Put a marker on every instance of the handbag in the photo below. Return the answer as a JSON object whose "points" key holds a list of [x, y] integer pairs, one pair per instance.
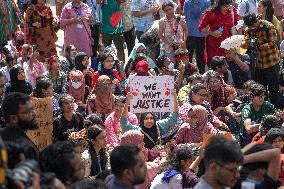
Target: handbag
{"points": [[233, 29]]}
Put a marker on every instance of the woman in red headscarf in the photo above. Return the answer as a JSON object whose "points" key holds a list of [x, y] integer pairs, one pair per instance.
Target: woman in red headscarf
{"points": [[58, 78], [40, 29]]}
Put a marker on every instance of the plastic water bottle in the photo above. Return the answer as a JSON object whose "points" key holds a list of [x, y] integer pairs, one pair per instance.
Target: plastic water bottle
{"points": [[221, 29]]}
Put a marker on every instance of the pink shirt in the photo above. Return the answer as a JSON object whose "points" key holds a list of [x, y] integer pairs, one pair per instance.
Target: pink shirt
{"points": [[111, 124]]}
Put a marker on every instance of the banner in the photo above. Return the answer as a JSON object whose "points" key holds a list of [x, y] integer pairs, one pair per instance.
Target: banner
{"points": [[42, 137], [152, 94]]}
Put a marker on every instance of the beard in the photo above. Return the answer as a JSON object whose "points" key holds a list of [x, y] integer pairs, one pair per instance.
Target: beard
{"points": [[138, 180], [28, 125]]}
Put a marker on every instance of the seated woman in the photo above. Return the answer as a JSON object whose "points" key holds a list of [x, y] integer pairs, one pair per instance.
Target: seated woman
{"points": [[177, 172], [95, 157], [152, 129], [18, 81], [107, 68], [196, 125], [97, 59], [44, 88], [218, 91], [152, 158], [54, 73], [33, 68], [82, 64], [69, 121], [138, 49], [112, 124], [78, 90], [199, 95], [68, 62], [101, 100]]}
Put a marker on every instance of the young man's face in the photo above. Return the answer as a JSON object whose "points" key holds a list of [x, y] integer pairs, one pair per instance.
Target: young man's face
{"points": [[227, 174], [258, 100]]}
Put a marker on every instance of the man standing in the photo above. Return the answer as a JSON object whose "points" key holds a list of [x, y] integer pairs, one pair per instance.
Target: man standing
{"points": [[95, 10], [18, 112], [128, 27], [267, 67], [143, 13], [246, 7], [112, 29], [128, 167], [222, 158], [193, 10]]}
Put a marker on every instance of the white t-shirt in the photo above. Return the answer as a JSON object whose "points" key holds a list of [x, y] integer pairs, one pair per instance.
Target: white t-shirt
{"points": [[175, 182]]}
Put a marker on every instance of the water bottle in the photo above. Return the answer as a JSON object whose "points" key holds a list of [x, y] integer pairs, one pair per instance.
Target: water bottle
{"points": [[221, 29]]}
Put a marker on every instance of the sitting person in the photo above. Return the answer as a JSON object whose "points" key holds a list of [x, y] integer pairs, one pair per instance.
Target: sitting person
{"points": [[112, 124], [152, 129], [95, 156], [18, 81], [197, 124], [176, 172], [101, 100], [69, 121], [78, 90], [107, 68]]}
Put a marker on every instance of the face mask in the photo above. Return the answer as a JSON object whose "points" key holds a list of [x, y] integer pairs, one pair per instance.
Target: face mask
{"points": [[171, 67], [76, 85]]}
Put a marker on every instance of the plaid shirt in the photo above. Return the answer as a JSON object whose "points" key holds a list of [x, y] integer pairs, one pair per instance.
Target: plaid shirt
{"points": [[269, 54]]}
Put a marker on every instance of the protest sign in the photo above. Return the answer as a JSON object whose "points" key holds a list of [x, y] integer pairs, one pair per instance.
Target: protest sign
{"points": [[42, 137], [152, 94]]}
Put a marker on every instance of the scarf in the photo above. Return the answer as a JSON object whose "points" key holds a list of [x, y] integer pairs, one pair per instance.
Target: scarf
{"points": [[78, 61], [134, 137], [98, 161], [152, 132], [195, 134], [79, 93], [142, 68], [104, 98], [168, 175], [79, 66]]}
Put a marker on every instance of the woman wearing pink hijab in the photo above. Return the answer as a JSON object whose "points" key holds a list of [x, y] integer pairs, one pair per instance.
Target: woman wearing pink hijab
{"points": [[78, 89], [137, 138], [196, 125]]}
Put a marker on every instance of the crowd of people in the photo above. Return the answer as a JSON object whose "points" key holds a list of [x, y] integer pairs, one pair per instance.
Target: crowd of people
{"points": [[225, 128]]}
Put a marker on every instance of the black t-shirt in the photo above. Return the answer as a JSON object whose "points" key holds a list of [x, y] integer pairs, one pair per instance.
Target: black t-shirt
{"points": [[11, 134], [62, 127]]}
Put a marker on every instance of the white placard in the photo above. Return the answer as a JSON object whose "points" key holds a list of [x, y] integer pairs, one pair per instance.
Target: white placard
{"points": [[152, 94]]}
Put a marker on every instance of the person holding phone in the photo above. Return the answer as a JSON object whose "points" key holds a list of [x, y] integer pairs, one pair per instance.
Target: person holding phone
{"points": [[75, 20]]}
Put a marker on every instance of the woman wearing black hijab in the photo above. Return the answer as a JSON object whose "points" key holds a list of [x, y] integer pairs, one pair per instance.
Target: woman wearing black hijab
{"points": [[82, 64], [18, 81], [152, 129]]}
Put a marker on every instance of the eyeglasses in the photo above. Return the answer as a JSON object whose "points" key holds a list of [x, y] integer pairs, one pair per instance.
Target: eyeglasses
{"points": [[232, 170]]}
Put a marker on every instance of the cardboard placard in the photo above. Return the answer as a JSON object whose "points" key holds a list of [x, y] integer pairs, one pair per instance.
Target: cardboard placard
{"points": [[42, 137]]}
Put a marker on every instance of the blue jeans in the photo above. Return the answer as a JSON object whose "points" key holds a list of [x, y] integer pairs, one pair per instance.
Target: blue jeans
{"points": [[138, 34]]}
